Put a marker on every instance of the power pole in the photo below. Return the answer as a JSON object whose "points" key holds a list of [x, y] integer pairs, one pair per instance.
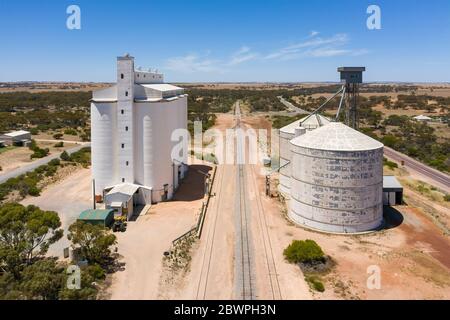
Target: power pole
{"points": [[268, 185], [93, 194]]}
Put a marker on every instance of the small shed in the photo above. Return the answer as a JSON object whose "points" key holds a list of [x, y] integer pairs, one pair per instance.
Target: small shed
{"points": [[103, 217], [422, 118], [20, 137], [122, 198], [392, 191]]}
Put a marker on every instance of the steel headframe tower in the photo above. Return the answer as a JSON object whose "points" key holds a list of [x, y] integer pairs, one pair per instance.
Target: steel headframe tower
{"points": [[351, 77]]}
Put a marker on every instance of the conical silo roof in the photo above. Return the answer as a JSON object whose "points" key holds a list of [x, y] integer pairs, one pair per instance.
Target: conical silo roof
{"points": [[313, 121], [336, 136]]}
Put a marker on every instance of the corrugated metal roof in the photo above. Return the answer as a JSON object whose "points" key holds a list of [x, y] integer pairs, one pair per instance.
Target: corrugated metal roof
{"points": [[125, 188], [391, 182], [98, 214], [16, 133], [336, 136], [163, 87], [422, 117], [307, 122]]}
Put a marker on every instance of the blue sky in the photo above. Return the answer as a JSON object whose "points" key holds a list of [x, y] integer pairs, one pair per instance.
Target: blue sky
{"points": [[219, 40]]}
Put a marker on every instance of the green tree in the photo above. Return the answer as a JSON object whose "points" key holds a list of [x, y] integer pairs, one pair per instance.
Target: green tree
{"points": [[93, 242], [42, 280], [25, 235], [65, 156], [88, 291], [303, 251]]}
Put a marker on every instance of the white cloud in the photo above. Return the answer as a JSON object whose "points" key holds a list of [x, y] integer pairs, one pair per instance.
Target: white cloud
{"points": [[193, 63], [299, 49], [313, 33], [313, 47], [244, 54]]}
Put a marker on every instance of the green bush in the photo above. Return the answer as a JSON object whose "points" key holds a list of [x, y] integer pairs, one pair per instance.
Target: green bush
{"points": [[58, 136], [83, 156], [59, 145], [391, 165], [447, 197], [315, 283], [54, 162], [40, 153], [71, 132], [37, 152], [34, 131], [300, 251], [65, 156]]}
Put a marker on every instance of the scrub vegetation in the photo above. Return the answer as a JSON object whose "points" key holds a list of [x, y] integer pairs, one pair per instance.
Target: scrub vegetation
{"points": [[44, 111], [28, 183], [309, 256], [26, 270]]}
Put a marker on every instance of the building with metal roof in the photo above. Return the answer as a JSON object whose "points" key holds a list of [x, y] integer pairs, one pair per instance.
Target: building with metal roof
{"points": [[392, 191], [132, 124], [422, 118], [20, 137], [102, 217]]}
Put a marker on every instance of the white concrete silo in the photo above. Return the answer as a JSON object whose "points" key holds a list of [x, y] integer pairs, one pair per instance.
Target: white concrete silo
{"points": [[104, 144], [288, 133], [337, 180], [132, 124]]}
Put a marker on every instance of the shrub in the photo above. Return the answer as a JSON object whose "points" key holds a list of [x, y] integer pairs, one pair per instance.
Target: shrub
{"points": [[315, 283], [34, 131], [70, 132], [82, 156], [58, 136], [391, 165], [304, 252], [59, 145], [40, 153], [65, 156], [54, 162], [447, 197]]}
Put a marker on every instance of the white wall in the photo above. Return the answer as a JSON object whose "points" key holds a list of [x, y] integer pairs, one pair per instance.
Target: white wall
{"points": [[337, 191], [104, 144], [155, 122], [125, 127]]}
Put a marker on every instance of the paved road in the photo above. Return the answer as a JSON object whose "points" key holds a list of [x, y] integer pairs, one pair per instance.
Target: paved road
{"points": [[37, 163], [291, 107], [440, 179]]}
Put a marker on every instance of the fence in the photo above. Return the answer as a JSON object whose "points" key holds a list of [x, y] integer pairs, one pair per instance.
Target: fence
{"points": [[198, 228]]}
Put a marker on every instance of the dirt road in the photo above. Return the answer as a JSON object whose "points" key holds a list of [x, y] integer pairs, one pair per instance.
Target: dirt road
{"points": [[68, 197]]}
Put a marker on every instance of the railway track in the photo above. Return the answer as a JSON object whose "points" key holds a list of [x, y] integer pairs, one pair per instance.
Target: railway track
{"points": [[243, 253], [267, 244]]}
